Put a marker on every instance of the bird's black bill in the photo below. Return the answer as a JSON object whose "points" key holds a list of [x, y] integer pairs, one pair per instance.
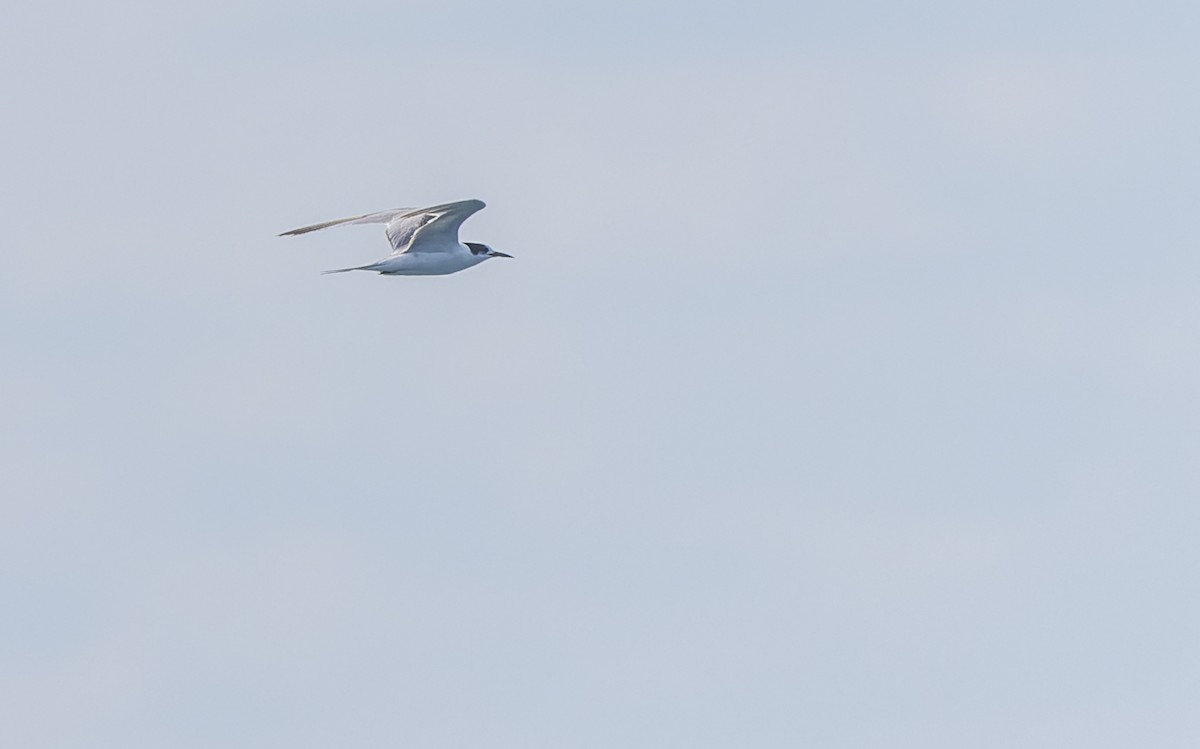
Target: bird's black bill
{"points": [[499, 254]]}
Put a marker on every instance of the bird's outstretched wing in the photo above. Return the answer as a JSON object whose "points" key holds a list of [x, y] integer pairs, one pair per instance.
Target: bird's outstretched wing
{"points": [[379, 217], [432, 229]]}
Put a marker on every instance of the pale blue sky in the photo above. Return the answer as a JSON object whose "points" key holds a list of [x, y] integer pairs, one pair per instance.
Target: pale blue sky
{"points": [[843, 392]]}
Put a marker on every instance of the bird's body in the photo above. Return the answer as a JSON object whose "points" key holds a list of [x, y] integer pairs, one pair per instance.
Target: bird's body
{"points": [[424, 240], [452, 260]]}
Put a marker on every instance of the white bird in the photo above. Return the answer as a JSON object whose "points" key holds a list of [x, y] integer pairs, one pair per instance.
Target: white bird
{"points": [[424, 240]]}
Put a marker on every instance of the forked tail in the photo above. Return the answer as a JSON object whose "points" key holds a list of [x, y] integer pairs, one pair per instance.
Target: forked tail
{"points": [[345, 270]]}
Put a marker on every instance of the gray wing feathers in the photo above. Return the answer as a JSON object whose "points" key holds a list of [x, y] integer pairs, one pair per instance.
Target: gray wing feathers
{"points": [[379, 217], [434, 228], [402, 229], [411, 229]]}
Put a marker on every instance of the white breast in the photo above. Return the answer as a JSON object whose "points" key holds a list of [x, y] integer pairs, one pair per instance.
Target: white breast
{"points": [[429, 263]]}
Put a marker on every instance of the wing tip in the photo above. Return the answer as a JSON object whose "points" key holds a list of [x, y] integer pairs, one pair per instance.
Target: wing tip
{"points": [[327, 224], [298, 232]]}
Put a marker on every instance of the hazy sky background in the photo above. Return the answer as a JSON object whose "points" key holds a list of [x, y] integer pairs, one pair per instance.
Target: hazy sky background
{"points": [[843, 392]]}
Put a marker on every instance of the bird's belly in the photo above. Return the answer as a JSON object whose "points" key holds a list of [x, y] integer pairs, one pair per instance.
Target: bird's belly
{"points": [[420, 264]]}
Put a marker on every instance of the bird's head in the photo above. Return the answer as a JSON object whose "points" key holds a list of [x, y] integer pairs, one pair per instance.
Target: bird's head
{"points": [[482, 250]]}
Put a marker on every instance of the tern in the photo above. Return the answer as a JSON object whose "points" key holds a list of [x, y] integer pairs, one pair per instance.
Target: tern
{"points": [[424, 240]]}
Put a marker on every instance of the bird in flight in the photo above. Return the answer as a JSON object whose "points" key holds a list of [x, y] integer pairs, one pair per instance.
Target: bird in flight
{"points": [[424, 240]]}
